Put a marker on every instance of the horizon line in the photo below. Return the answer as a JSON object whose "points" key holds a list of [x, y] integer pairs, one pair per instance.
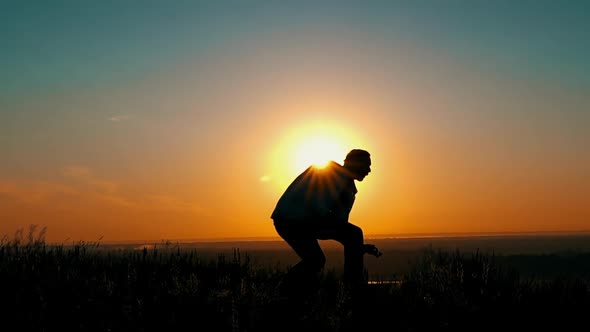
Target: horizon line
{"points": [[368, 236]]}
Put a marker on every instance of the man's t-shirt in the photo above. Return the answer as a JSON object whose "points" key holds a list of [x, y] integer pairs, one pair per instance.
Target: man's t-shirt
{"points": [[326, 193]]}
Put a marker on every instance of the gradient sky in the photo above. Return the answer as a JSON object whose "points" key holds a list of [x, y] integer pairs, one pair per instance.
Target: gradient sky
{"points": [[148, 120]]}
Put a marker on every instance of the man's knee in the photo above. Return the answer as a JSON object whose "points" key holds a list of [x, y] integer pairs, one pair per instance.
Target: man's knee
{"points": [[355, 235]]}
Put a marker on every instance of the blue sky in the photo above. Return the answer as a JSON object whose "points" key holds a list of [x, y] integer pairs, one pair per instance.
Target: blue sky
{"points": [[48, 45]]}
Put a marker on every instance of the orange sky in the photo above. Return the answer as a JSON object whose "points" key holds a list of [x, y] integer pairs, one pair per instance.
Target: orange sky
{"points": [[149, 146], [160, 183]]}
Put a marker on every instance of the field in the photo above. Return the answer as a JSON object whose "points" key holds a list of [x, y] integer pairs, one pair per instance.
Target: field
{"points": [[441, 284]]}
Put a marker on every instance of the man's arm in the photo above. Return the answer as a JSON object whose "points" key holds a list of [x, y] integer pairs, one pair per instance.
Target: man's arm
{"points": [[342, 206]]}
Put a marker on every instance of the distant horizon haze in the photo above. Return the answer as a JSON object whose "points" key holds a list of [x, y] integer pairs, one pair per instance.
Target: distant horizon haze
{"points": [[368, 237]]}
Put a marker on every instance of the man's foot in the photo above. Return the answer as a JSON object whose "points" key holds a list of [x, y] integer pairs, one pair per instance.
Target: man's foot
{"points": [[372, 250]]}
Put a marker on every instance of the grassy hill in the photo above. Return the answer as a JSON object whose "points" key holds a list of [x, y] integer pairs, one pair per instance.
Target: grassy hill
{"points": [[85, 287]]}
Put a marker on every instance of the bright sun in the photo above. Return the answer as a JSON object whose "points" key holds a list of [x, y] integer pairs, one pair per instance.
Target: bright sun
{"points": [[318, 151], [306, 145]]}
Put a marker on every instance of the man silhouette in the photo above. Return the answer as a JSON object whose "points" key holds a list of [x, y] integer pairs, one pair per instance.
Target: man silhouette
{"points": [[316, 206]]}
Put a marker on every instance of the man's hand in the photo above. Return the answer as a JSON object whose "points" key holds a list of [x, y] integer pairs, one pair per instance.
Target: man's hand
{"points": [[372, 250]]}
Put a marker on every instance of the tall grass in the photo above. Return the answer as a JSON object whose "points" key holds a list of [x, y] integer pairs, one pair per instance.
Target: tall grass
{"points": [[85, 287]]}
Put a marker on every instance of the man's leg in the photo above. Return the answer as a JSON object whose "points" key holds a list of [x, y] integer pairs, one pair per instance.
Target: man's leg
{"points": [[351, 237], [310, 252], [304, 274]]}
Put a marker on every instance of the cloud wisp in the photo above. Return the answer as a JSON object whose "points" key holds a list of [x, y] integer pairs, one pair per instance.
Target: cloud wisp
{"points": [[119, 118]]}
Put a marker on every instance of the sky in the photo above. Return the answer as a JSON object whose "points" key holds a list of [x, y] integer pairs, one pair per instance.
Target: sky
{"points": [[148, 120]]}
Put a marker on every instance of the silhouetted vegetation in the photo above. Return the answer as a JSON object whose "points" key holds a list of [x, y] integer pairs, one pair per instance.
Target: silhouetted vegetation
{"points": [[86, 287]]}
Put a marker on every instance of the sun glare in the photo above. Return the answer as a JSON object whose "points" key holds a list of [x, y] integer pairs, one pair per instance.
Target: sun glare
{"points": [[317, 151], [308, 143]]}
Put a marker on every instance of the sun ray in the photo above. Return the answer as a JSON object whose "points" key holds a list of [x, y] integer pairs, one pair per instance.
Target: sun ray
{"points": [[318, 151], [310, 144]]}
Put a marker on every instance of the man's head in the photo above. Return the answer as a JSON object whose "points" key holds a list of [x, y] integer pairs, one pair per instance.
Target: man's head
{"points": [[358, 162]]}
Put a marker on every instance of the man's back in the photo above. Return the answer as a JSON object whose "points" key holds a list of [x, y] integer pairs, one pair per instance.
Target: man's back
{"points": [[326, 192]]}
